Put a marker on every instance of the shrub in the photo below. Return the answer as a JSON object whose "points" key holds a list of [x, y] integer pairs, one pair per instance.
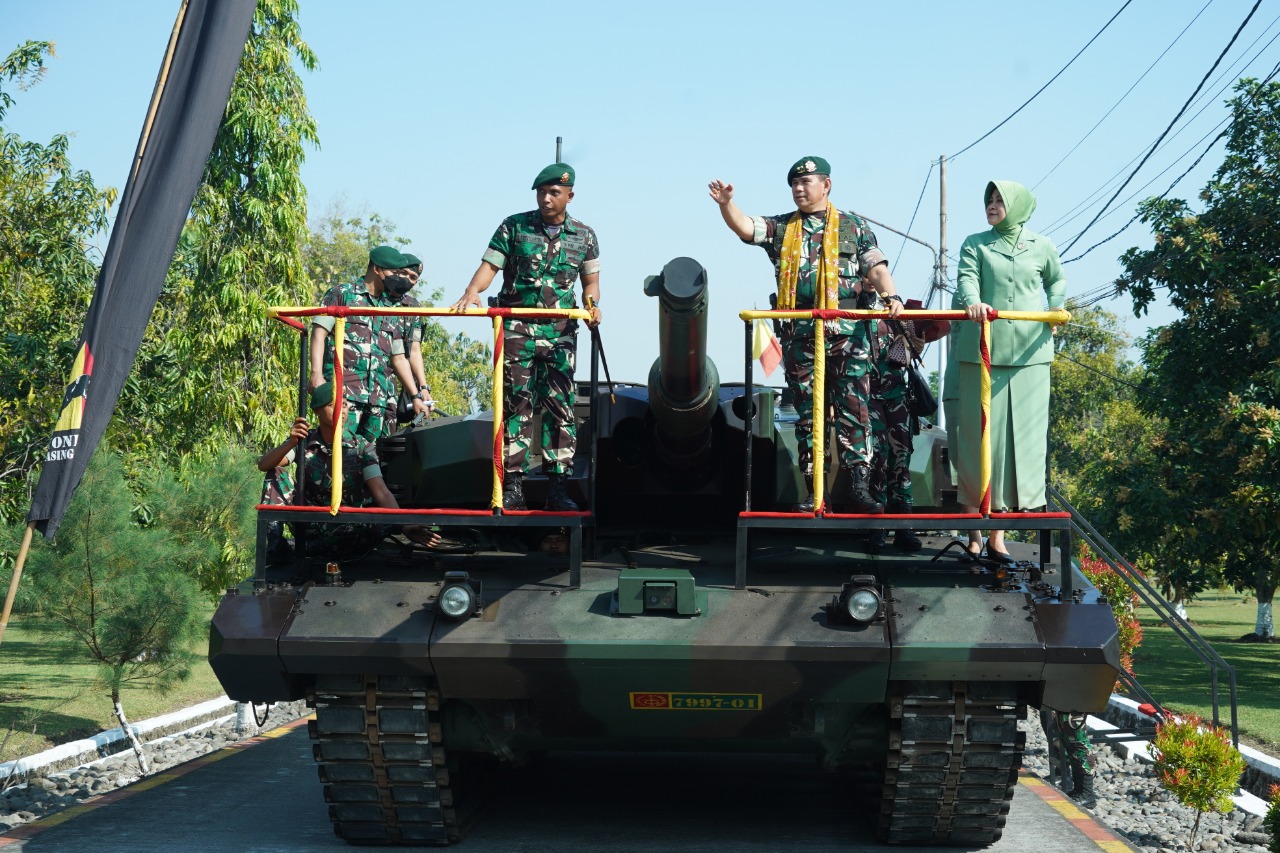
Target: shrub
{"points": [[1272, 821], [1115, 590], [1198, 765]]}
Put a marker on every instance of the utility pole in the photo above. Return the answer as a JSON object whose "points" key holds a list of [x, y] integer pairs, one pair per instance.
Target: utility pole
{"points": [[941, 273]]}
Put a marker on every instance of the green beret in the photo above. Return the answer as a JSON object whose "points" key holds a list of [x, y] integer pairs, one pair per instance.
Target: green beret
{"points": [[387, 257], [412, 262], [556, 173], [322, 395], [808, 166]]}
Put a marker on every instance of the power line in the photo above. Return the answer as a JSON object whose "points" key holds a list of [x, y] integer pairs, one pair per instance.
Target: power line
{"points": [[928, 175], [1203, 80], [1046, 85], [1143, 391], [1078, 210], [1125, 95], [1164, 194]]}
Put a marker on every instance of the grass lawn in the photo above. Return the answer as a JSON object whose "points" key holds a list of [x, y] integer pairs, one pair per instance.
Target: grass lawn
{"points": [[45, 686], [1177, 678]]}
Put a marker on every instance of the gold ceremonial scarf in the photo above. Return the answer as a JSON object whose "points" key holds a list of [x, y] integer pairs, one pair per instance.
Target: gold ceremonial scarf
{"points": [[827, 287]]}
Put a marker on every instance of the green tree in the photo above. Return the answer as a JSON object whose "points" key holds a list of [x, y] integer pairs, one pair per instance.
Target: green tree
{"points": [[49, 216], [248, 227], [122, 592], [1093, 389], [206, 507], [1214, 373]]}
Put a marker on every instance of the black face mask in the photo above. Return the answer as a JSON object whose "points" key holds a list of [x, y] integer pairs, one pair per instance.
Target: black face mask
{"points": [[397, 286]]}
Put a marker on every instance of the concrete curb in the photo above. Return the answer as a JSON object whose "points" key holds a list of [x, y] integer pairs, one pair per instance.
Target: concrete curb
{"points": [[108, 743]]}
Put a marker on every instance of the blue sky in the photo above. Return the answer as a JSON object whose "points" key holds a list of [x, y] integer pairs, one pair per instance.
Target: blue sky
{"points": [[438, 115]]}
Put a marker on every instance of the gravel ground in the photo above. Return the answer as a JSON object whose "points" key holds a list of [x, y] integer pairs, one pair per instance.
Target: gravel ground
{"points": [[1130, 800], [1133, 805]]}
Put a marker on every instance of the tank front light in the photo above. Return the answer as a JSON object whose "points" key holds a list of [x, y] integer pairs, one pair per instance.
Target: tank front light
{"points": [[863, 605], [458, 598], [859, 602]]}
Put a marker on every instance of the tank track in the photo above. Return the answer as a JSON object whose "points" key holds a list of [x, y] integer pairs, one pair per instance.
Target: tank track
{"points": [[952, 766], [377, 739]]}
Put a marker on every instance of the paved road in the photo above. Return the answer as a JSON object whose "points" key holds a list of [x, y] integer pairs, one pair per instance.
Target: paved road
{"points": [[266, 799]]}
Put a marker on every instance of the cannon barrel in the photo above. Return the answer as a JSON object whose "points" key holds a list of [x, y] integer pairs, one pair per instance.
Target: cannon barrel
{"points": [[683, 382]]}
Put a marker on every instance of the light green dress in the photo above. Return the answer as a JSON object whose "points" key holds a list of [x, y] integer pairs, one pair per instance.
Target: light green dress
{"points": [[1011, 269]]}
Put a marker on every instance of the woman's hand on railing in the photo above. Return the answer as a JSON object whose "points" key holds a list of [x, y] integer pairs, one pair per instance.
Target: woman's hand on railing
{"points": [[978, 311]]}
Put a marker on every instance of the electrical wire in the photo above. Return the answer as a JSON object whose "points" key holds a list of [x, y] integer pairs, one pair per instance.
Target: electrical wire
{"points": [[927, 176], [1212, 68], [1078, 210], [1165, 194], [1143, 391], [1046, 85], [1176, 39]]}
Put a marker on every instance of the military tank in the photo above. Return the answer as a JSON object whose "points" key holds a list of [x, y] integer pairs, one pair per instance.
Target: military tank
{"points": [[679, 631]]}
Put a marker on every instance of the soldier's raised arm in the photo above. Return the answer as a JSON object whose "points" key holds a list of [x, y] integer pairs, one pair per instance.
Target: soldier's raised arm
{"points": [[739, 223]]}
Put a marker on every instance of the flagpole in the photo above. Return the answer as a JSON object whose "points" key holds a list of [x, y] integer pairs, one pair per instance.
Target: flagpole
{"points": [[161, 79], [17, 575]]}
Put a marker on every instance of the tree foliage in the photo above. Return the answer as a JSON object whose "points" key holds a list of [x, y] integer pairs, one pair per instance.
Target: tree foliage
{"points": [[49, 216], [1213, 375], [205, 505]]}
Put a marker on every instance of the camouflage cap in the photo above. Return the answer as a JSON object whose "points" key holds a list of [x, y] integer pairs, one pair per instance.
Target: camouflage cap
{"points": [[556, 173], [387, 257], [808, 166], [413, 262], [321, 395]]}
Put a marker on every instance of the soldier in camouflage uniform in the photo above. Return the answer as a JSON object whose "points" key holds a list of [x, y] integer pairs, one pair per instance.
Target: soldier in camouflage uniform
{"points": [[1069, 737], [373, 348], [863, 278], [541, 254], [362, 481], [412, 337], [891, 437]]}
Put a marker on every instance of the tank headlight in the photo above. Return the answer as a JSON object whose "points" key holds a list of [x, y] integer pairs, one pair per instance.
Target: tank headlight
{"points": [[859, 602], [459, 598], [863, 605]]}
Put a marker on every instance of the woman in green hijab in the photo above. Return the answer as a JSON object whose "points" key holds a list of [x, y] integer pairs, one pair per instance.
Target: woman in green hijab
{"points": [[1008, 268]]}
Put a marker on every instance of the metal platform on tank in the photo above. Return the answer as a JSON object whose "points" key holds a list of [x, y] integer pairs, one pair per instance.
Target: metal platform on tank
{"points": [[571, 522], [1043, 522]]}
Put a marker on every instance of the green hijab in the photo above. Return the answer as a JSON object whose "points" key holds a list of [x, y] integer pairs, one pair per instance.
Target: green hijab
{"points": [[1019, 204]]}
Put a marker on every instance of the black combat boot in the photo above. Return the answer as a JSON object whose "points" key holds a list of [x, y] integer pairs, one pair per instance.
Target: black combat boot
{"points": [[858, 498], [806, 505], [1083, 792], [558, 499], [513, 490], [903, 540], [875, 541]]}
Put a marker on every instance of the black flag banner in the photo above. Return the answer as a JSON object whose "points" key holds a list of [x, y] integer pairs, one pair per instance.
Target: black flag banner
{"points": [[186, 110]]}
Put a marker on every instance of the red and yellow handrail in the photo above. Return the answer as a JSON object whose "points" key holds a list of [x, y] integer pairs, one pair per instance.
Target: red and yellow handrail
{"points": [[287, 315], [1057, 317]]}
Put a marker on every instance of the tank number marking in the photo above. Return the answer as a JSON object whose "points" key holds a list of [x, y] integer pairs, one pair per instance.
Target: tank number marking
{"points": [[696, 701]]}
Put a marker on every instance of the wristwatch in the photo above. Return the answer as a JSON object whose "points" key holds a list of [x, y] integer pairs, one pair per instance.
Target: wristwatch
{"points": [[895, 297], [421, 395]]}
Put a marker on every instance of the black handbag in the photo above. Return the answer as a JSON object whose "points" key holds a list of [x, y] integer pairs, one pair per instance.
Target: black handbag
{"points": [[920, 399]]}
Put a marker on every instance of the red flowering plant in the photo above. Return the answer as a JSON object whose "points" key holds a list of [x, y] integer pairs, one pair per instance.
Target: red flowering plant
{"points": [[1272, 820], [1116, 591], [1198, 765]]}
